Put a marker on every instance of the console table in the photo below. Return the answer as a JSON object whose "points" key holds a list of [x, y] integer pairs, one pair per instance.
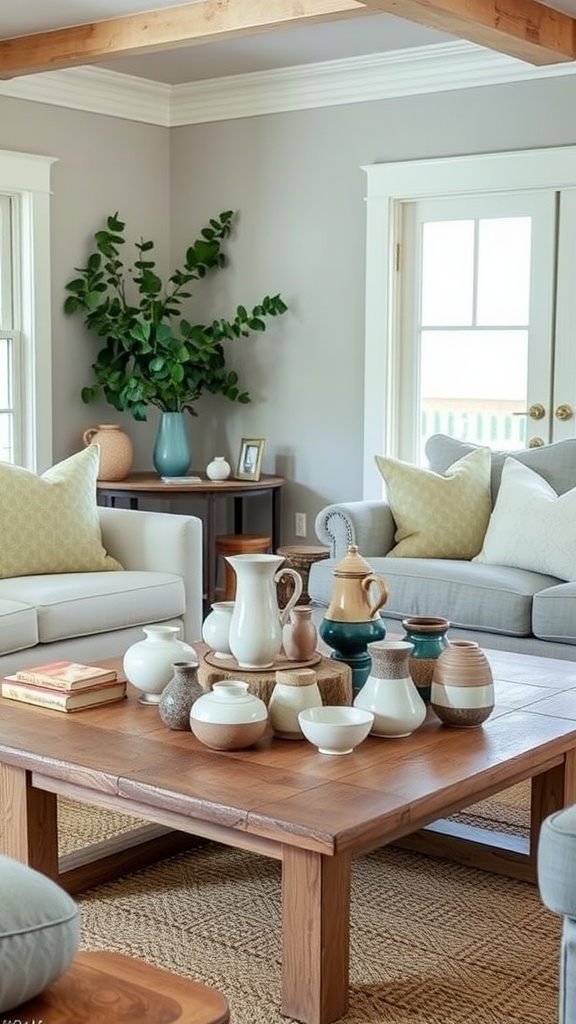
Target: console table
{"points": [[148, 485]]}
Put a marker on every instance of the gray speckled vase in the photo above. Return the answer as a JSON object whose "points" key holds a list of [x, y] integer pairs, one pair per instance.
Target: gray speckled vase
{"points": [[179, 695]]}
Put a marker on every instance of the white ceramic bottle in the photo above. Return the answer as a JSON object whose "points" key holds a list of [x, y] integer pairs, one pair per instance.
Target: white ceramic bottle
{"points": [[294, 690], [390, 692]]}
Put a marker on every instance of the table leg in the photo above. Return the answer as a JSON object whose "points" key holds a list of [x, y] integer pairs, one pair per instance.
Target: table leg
{"points": [[551, 791], [276, 522], [210, 567], [315, 935], [29, 828]]}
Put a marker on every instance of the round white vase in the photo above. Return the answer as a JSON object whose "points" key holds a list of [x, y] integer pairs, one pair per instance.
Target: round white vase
{"points": [[229, 717], [216, 628], [218, 469], [148, 664]]}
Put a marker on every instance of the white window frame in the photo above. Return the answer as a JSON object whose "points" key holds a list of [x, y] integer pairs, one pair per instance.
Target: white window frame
{"points": [[389, 185], [25, 178]]}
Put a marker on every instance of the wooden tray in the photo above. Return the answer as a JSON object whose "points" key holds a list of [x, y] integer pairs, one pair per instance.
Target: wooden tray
{"points": [[280, 663]]}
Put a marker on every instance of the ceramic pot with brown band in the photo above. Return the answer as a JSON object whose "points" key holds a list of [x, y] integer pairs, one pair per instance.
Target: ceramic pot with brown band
{"points": [[462, 685]]}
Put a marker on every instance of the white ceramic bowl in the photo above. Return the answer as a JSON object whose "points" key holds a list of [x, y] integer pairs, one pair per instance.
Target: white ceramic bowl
{"points": [[335, 729]]}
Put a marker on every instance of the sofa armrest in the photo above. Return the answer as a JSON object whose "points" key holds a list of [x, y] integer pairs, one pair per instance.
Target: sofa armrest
{"points": [[368, 524], [159, 542]]}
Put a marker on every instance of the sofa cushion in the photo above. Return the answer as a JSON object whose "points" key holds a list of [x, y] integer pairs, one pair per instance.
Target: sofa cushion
{"points": [[546, 541], [81, 604], [555, 462], [39, 932], [50, 523], [438, 516], [554, 613], [18, 625], [496, 599]]}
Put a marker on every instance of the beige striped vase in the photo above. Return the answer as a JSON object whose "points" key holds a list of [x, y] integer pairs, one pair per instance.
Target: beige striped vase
{"points": [[462, 693]]}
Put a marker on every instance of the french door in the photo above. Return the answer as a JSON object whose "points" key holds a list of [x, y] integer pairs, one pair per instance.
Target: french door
{"points": [[471, 302]]}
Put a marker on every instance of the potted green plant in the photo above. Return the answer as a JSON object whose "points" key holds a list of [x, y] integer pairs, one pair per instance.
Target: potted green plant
{"points": [[152, 354]]}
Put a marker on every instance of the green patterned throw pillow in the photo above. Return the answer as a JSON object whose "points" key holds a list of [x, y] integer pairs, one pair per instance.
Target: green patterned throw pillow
{"points": [[50, 523], [439, 516]]}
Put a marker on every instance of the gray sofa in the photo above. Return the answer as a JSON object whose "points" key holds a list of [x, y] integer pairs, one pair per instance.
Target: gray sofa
{"points": [[501, 607]]}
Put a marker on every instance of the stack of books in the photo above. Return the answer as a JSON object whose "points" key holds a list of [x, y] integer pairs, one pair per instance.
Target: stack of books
{"points": [[64, 686]]}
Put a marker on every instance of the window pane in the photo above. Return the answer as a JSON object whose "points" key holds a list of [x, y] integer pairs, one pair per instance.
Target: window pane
{"points": [[447, 273], [4, 374], [504, 271], [461, 394], [6, 442]]}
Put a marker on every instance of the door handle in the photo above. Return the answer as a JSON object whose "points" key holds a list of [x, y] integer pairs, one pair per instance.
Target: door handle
{"points": [[535, 412], [536, 442], [564, 412]]}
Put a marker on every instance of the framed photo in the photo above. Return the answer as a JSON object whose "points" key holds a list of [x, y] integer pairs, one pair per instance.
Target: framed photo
{"points": [[250, 458]]}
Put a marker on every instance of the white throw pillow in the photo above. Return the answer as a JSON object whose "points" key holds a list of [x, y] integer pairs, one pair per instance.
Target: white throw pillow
{"points": [[39, 932], [50, 523], [438, 516], [531, 527]]}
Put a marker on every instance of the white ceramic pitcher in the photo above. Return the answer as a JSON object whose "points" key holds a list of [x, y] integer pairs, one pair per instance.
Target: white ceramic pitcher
{"points": [[256, 626]]}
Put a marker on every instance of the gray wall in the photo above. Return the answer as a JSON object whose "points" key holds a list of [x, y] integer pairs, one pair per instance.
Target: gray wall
{"points": [[296, 182]]}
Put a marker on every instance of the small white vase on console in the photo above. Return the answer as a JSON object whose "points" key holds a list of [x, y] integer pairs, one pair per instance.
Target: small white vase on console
{"points": [[148, 664], [218, 469], [256, 626]]}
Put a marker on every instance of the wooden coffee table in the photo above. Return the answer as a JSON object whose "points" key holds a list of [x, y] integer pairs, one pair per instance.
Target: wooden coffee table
{"points": [[282, 799]]}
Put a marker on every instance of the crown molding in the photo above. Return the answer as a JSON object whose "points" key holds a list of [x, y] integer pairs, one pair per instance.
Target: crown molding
{"points": [[96, 91], [428, 69]]}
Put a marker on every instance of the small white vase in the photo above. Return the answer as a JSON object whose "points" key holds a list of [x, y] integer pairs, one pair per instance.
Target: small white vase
{"points": [[218, 469], [148, 664], [390, 692], [229, 717], [216, 628]]}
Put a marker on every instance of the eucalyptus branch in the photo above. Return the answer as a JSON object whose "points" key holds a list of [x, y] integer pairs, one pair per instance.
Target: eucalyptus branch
{"points": [[153, 355]]}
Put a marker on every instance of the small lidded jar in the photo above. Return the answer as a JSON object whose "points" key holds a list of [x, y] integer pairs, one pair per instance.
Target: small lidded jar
{"points": [[294, 690]]}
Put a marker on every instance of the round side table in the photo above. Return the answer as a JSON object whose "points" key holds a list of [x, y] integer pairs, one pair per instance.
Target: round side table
{"points": [[299, 557]]}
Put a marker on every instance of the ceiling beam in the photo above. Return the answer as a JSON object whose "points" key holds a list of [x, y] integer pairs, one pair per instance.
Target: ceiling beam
{"points": [[520, 28], [204, 21]]}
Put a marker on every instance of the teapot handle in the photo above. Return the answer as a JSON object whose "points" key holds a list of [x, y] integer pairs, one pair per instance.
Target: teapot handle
{"points": [[285, 612], [367, 582], [89, 434]]}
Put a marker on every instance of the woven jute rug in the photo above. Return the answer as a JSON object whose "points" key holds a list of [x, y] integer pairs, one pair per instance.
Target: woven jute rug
{"points": [[431, 942]]}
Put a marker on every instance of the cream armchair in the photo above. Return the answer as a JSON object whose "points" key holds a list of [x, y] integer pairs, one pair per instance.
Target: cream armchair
{"points": [[85, 616]]}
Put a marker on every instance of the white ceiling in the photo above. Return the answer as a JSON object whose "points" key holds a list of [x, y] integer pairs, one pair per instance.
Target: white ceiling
{"points": [[290, 47]]}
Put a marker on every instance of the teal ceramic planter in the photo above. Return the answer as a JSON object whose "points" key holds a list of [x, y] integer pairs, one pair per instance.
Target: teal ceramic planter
{"points": [[428, 637], [349, 641]]}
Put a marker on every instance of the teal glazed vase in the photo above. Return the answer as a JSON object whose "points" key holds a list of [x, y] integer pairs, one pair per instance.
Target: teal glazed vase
{"points": [[171, 455], [428, 639], [349, 641]]}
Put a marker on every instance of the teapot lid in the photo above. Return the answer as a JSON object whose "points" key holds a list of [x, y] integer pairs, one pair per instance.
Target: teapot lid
{"points": [[352, 564]]}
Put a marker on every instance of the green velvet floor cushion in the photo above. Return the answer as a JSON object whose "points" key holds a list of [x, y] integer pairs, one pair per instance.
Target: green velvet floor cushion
{"points": [[39, 932]]}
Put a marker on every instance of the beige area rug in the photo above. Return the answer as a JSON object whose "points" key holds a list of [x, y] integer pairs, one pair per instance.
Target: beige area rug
{"points": [[431, 942]]}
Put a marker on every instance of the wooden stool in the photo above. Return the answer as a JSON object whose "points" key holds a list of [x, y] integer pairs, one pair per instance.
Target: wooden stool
{"points": [[239, 544], [105, 987], [299, 557]]}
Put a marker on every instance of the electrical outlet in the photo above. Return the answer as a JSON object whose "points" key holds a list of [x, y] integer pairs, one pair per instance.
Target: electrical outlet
{"points": [[300, 524]]}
